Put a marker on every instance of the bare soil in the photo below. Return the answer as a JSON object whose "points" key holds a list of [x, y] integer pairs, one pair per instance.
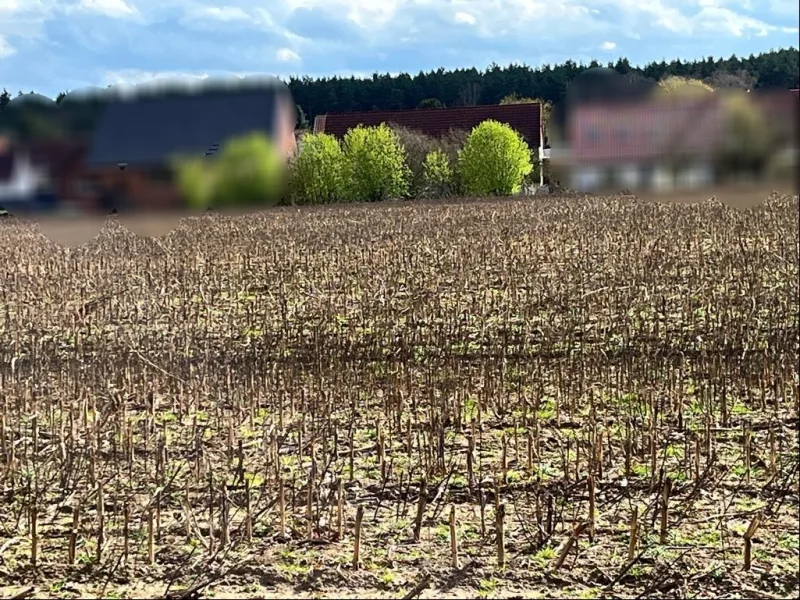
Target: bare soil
{"points": [[180, 413]]}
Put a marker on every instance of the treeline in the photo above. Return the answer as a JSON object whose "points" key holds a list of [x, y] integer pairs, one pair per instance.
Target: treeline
{"points": [[468, 87]]}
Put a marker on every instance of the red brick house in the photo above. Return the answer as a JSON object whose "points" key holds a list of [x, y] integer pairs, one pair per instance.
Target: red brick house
{"points": [[659, 144], [626, 144]]}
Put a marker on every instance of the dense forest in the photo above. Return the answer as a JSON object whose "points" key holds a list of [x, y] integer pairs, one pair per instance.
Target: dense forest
{"points": [[466, 87]]}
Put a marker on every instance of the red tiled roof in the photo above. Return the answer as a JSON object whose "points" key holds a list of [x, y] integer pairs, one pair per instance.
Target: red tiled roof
{"points": [[436, 122]]}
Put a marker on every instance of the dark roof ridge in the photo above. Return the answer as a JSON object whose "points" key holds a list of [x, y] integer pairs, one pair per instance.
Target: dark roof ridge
{"points": [[428, 109]]}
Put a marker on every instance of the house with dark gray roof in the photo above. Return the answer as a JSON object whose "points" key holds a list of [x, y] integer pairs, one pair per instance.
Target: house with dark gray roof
{"points": [[151, 130], [136, 139]]}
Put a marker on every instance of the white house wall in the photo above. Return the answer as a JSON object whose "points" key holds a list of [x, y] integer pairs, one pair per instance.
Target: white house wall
{"points": [[629, 176], [663, 179], [694, 176], [24, 180]]}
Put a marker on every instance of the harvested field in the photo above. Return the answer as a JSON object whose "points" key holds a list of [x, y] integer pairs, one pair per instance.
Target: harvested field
{"points": [[576, 397]]}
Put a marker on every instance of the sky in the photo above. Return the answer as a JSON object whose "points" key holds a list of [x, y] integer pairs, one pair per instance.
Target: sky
{"points": [[62, 45]]}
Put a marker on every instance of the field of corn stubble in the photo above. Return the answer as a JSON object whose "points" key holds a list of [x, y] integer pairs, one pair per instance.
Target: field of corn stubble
{"points": [[579, 397]]}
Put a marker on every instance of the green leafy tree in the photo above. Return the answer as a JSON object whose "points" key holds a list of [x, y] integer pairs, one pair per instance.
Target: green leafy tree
{"points": [[495, 160], [438, 174], [195, 180], [249, 172], [514, 98], [375, 167], [431, 103], [317, 170], [749, 136]]}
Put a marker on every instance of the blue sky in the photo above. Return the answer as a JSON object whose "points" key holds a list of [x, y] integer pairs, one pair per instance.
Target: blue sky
{"points": [[55, 45]]}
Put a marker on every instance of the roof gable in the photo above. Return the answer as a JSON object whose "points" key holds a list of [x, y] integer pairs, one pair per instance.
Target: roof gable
{"points": [[152, 130], [436, 122]]}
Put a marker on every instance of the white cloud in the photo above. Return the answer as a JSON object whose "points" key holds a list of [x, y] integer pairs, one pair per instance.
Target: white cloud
{"points": [[465, 18], [714, 18], [687, 21], [24, 19], [131, 77], [503, 18], [287, 55], [235, 15], [9, 6], [114, 9], [745, 4], [217, 13], [53, 41], [5, 48], [366, 12], [126, 77]]}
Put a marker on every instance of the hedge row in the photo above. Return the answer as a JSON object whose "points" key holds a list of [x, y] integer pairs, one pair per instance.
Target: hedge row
{"points": [[383, 162], [371, 164]]}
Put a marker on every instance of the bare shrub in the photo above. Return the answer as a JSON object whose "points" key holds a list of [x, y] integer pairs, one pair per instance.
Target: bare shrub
{"points": [[418, 146]]}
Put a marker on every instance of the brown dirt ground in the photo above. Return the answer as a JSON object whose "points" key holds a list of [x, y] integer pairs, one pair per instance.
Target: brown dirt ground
{"points": [[702, 557]]}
